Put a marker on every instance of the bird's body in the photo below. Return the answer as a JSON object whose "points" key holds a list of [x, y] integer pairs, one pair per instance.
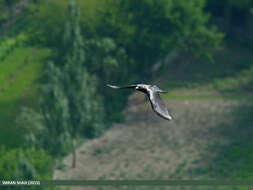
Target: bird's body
{"points": [[152, 91]]}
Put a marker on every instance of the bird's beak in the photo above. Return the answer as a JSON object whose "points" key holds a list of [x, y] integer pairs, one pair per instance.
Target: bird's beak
{"points": [[161, 91]]}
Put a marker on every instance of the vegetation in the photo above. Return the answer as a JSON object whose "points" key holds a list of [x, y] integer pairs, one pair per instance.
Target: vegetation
{"points": [[65, 92], [29, 164], [21, 70], [55, 61]]}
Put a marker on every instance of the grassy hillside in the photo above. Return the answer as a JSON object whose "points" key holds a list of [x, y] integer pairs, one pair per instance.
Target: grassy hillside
{"points": [[230, 71], [19, 75], [202, 142], [209, 137]]}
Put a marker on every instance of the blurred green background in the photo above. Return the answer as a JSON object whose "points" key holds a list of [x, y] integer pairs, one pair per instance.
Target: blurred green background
{"points": [[56, 56]]}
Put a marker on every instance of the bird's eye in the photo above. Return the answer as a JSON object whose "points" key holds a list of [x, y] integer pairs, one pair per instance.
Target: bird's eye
{"points": [[137, 87]]}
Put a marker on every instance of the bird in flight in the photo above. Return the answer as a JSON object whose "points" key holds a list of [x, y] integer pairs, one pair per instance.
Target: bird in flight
{"points": [[152, 91]]}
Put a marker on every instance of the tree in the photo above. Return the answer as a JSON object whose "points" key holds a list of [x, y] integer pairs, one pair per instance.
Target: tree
{"points": [[243, 4], [47, 127], [233, 12], [10, 4], [109, 63], [85, 106], [55, 112], [69, 104], [124, 39], [28, 164], [53, 15], [150, 29]]}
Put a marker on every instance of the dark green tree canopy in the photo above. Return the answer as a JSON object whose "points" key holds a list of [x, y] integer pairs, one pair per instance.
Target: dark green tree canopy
{"points": [[150, 29]]}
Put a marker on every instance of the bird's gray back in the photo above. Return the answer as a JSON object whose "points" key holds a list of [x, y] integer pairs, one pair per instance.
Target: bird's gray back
{"points": [[155, 88]]}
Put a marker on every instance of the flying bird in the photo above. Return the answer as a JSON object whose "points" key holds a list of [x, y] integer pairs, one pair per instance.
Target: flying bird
{"points": [[152, 91]]}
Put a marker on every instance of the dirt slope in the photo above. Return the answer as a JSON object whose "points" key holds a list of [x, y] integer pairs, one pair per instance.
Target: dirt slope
{"points": [[148, 147]]}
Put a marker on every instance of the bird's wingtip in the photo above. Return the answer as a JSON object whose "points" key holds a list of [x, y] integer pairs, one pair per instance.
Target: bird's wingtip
{"points": [[169, 118], [112, 86]]}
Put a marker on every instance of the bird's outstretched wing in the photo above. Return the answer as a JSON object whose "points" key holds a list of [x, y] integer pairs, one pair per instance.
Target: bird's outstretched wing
{"points": [[158, 105], [156, 89], [117, 87]]}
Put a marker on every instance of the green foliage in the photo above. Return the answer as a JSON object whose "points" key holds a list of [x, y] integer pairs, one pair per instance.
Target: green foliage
{"points": [[39, 133], [242, 82], [229, 15], [3, 18], [10, 66], [7, 3], [71, 49], [52, 15], [2, 4], [109, 63], [233, 159], [33, 135], [29, 164], [79, 86], [124, 39], [7, 10], [147, 29], [7, 45], [19, 76], [55, 111], [106, 59], [69, 104], [150, 29], [243, 4], [48, 129]]}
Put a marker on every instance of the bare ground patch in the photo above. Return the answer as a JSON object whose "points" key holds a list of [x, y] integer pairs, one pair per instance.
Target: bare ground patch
{"points": [[148, 147]]}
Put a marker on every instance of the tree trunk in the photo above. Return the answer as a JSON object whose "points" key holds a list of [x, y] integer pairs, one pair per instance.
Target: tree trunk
{"points": [[73, 153]]}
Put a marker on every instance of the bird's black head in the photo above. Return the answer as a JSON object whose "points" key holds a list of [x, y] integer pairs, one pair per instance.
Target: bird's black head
{"points": [[141, 88]]}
